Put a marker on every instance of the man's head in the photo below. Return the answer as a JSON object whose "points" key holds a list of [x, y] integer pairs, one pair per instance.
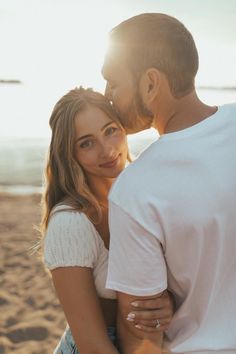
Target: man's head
{"points": [[147, 54]]}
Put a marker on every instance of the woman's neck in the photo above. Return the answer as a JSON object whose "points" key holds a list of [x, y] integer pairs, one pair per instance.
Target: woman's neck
{"points": [[100, 188]]}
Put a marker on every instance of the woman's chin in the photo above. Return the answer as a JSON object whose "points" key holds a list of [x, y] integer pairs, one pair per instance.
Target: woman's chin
{"points": [[115, 173]]}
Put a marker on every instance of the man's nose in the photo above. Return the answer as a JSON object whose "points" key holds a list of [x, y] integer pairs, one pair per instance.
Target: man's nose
{"points": [[107, 92]]}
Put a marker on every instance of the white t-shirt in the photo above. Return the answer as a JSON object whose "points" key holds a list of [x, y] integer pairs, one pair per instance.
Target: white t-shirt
{"points": [[173, 221], [71, 240]]}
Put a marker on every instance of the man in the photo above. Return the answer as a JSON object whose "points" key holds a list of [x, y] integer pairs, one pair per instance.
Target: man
{"points": [[173, 210]]}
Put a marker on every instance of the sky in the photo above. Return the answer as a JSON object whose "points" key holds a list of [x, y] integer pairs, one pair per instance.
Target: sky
{"points": [[55, 45]]}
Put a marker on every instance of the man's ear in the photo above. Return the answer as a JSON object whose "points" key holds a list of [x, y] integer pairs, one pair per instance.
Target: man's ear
{"points": [[150, 84]]}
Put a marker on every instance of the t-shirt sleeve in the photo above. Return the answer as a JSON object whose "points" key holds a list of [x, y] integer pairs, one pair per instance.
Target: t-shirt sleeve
{"points": [[136, 261], [70, 240]]}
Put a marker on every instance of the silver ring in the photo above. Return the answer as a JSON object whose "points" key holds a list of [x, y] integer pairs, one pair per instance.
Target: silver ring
{"points": [[157, 323]]}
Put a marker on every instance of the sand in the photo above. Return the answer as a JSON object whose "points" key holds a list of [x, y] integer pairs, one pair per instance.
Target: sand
{"points": [[31, 319]]}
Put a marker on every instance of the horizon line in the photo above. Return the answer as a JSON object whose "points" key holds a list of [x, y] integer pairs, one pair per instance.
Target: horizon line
{"points": [[198, 87]]}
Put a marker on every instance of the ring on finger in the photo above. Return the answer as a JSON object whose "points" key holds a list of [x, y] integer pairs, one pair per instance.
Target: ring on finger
{"points": [[157, 323]]}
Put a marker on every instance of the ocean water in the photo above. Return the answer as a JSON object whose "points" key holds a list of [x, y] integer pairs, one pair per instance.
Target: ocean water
{"points": [[22, 161], [22, 158]]}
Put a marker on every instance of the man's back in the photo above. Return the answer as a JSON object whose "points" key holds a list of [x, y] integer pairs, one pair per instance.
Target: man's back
{"points": [[181, 192]]}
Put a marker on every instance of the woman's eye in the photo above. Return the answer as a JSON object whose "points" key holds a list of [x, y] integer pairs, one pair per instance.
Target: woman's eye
{"points": [[86, 144], [111, 130]]}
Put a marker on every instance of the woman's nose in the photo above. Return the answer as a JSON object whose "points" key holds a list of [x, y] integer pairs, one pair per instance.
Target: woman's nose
{"points": [[108, 151]]}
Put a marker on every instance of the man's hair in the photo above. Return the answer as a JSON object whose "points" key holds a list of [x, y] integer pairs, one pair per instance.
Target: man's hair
{"points": [[159, 41]]}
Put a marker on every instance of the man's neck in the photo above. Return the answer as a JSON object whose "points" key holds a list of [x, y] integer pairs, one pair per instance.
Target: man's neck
{"points": [[179, 114]]}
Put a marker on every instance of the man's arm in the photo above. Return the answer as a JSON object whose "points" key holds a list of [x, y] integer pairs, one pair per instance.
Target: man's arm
{"points": [[131, 339], [137, 270]]}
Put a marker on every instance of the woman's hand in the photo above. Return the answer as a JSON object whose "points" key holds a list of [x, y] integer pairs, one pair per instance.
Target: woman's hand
{"points": [[153, 314]]}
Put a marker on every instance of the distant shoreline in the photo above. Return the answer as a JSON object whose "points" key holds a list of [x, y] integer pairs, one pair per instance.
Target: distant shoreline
{"points": [[218, 88], [201, 87], [10, 81], [19, 190]]}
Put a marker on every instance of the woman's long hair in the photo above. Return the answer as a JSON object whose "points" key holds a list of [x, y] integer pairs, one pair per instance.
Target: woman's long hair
{"points": [[65, 180]]}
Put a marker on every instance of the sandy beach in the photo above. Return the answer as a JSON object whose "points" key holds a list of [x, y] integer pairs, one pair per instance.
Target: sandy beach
{"points": [[31, 320]]}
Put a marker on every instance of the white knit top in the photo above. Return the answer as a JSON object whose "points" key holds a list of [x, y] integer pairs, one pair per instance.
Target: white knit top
{"points": [[72, 240]]}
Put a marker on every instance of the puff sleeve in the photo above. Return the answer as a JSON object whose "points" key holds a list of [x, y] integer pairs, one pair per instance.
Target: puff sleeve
{"points": [[70, 240]]}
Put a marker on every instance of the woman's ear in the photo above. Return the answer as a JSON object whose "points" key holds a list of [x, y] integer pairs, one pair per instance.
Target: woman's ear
{"points": [[150, 84]]}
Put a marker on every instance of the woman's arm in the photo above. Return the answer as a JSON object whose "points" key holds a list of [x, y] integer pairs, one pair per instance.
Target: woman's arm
{"points": [[77, 294]]}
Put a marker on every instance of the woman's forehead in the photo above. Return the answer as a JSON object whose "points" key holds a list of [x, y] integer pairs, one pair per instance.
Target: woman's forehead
{"points": [[92, 121]]}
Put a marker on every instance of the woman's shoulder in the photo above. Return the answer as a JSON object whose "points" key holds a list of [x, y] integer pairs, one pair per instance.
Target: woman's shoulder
{"points": [[66, 217], [70, 239]]}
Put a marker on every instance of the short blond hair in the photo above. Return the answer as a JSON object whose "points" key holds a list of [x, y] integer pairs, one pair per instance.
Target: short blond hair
{"points": [[160, 41]]}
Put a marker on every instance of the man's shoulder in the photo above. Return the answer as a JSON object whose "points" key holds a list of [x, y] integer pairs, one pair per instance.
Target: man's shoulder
{"points": [[227, 115], [134, 176], [231, 105], [126, 177], [228, 108]]}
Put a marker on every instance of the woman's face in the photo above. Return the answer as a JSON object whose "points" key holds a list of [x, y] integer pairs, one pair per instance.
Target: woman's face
{"points": [[100, 145]]}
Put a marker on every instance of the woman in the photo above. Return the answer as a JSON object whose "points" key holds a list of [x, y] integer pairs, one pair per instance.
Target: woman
{"points": [[88, 150]]}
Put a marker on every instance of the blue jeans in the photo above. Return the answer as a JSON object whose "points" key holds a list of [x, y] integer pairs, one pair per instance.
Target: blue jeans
{"points": [[67, 344]]}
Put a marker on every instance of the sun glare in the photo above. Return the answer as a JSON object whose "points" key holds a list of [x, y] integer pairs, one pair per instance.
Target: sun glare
{"points": [[52, 59]]}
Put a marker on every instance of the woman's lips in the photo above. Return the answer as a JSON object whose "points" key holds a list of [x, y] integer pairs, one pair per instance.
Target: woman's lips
{"points": [[111, 163]]}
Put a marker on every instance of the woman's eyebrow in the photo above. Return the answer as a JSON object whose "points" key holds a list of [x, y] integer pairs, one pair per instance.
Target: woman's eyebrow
{"points": [[90, 135], [83, 137], [106, 125]]}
